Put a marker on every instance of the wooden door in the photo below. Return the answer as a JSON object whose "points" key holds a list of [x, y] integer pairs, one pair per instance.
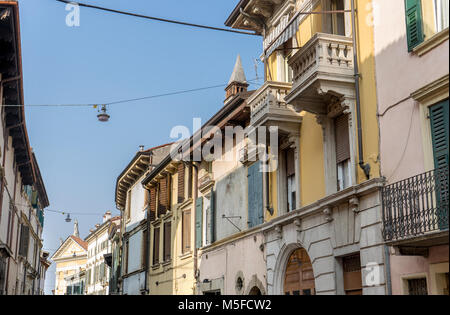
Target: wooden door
{"points": [[299, 277]]}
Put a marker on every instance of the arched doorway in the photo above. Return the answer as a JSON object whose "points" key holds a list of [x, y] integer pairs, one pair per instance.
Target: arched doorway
{"points": [[255, 291], [299, 275]]}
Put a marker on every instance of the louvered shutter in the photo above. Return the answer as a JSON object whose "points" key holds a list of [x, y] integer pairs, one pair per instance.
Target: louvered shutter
{"points": [[414, 27], [186, 231], [181, 183], [156, 246], [24, 240], [198, 222], [167, 241], [255, 196], [162, 206], [290, 162], [439, 130], [342, 138], [152, 213]]}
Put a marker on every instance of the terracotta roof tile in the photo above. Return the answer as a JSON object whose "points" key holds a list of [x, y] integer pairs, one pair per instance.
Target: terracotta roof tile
{"points": [[80, 242]]}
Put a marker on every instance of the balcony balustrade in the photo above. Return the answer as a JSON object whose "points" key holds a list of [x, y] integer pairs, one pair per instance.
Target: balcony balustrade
{"points": [[322, 68], [268, 105]]}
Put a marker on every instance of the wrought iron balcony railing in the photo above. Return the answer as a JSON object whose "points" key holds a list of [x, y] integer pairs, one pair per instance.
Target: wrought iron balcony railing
{"points": [[416, 206]]}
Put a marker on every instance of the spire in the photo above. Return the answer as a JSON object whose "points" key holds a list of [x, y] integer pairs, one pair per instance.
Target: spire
{"points": [[75, 229], [238, 82], [238, 74]]}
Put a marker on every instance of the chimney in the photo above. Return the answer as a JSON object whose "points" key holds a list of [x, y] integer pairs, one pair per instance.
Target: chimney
{"points": [[238, 82], [141, 148], [106, 216]]}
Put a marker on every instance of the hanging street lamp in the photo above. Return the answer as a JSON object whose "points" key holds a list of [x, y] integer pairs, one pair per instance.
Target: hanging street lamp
{"points": [[103, 116]]}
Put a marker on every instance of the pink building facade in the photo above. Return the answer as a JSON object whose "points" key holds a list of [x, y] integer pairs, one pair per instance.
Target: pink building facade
{"points": [[412, 75]]}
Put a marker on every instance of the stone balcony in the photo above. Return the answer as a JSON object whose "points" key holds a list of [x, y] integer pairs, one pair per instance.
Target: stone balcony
{"points": [[323, 70], [269, 108]]}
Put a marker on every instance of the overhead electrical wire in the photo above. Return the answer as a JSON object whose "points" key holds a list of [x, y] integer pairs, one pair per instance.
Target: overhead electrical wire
{"points": [[213, 28], [126, 100]]}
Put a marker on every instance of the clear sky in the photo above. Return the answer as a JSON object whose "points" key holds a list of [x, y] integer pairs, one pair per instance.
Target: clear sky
{"points": [[112, 57]]}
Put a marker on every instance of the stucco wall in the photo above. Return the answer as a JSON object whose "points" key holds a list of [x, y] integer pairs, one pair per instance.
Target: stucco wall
{"points": [[398, 74], [231, 192], [242, 257]]}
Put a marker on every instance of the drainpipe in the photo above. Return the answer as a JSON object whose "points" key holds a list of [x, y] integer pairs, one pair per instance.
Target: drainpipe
{"points": [[364, 167], [387, 258], [194, 197]]}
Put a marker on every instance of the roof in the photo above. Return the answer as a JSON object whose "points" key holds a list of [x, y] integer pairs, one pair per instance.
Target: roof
{"points": [[238, 74], [236, 11], [77, 240], [229, 107], [133, 171], [12, 81], [80, 241], [40, 184], [106, 223]]}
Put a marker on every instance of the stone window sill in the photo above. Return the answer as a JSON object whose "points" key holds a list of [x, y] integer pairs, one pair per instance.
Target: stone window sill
{"points": [[431, 43]]}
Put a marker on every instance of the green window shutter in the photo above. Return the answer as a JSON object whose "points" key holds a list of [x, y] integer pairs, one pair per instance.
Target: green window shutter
{"points": [[255, 196], [414, 24], [198, 222], [212, 217], [439, 132]]}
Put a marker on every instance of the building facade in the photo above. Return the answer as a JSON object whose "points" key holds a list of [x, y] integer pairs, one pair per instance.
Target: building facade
{"points": [[133, 202], [99, 245], [70, 260], [413, 112], [322, 207], [22, 192]]}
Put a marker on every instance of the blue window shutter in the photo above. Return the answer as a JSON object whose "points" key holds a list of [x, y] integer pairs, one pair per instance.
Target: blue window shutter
{"points": [[198, 222], [255, 196], [414, 24]]}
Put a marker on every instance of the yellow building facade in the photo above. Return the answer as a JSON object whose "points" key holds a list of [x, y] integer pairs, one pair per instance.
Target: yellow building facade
{"points": [[70, 259]]}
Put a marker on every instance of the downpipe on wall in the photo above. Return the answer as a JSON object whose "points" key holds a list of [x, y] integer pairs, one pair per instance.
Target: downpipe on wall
{"points": [[364, 166]]}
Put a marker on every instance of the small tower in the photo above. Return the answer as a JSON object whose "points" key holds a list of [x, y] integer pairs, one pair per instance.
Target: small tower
{"points": [[238, 82], [76, 232]]}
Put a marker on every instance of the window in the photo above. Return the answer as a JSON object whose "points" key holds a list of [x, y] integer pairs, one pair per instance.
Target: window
{"points": [[167, 241], [152, 213], [417, 286], [128, 214], [181, 182], [144, 250], [441, 13], [186, 238], [414, 24], [164, 195], [24, 240], [338, 19], [341, 132], [156, 246], [290, 176], [352, 275]]}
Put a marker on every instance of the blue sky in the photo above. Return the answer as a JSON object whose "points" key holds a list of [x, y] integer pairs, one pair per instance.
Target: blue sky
{"points": [[108, 58]]}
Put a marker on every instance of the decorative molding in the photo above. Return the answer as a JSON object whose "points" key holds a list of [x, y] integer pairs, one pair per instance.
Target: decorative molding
{"points": [[353, 204], [431, 43], [432, 92], [328, 212]]}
